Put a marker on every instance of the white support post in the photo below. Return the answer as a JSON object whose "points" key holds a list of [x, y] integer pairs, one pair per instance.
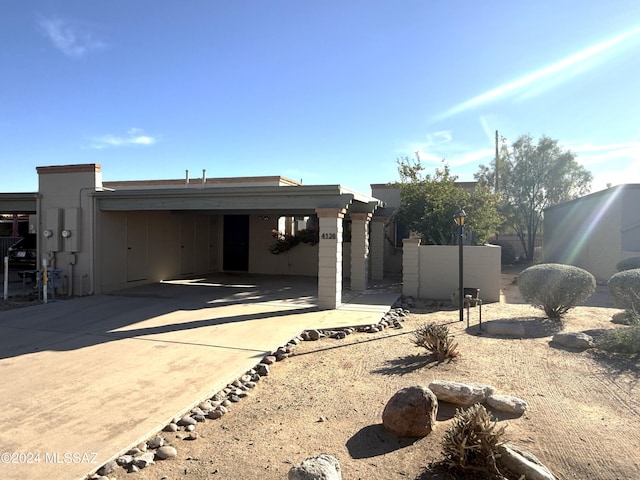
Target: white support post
{"points": [[360, 251], [377, 247], [330, 257], [411, 267]]}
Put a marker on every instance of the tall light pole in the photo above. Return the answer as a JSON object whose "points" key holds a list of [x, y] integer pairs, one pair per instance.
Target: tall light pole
{"points": [[459, 219]]}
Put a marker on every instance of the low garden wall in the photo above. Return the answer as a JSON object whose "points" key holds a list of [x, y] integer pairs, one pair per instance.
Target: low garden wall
{"points": [[431, 271]]}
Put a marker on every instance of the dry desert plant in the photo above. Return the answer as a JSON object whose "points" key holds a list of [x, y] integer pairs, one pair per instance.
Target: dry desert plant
{"points": [[471, 441], [437, 340]]}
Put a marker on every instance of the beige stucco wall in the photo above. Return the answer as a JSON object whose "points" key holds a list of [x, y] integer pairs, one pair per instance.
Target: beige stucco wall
{"points": [[134, 248], [631, 223], [586, 233], [438, 271], [300, 260], [66, 206]]}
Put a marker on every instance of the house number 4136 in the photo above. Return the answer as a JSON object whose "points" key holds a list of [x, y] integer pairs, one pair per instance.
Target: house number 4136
{"points": [[329, 236]]}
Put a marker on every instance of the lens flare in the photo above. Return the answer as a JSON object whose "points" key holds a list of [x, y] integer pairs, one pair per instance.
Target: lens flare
{"points": [[552, 75]]}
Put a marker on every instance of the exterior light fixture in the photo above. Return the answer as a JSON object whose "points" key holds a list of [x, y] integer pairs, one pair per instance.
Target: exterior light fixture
{"points": [[459, 219]]}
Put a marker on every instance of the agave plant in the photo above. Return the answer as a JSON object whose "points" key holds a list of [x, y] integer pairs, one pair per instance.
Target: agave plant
{"points": [[471, 442]]}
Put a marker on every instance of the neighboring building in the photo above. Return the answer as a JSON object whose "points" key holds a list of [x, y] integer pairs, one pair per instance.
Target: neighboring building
{"points": [[105, 236], [596, 231]]}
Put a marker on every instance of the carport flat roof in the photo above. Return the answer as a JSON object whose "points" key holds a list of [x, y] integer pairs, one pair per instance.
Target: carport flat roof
{"points": [[18, 202], [303, 199]]}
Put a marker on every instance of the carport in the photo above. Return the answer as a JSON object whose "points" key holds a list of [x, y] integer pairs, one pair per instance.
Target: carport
{"points": [[106, 236], [16, 204], [231, 228]]}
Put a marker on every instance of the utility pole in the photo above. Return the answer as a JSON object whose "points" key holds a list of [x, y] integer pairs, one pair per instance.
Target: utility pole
{"points": [[496, 165]]}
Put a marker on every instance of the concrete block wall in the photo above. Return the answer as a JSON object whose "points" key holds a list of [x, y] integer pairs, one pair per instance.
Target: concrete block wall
{"points": [[431, 271], [411, 268]]}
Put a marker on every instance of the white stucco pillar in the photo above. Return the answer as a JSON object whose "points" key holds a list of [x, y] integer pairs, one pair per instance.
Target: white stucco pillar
{"points": [[360, 250], [411, 267], [377, 247], [330, 257]]}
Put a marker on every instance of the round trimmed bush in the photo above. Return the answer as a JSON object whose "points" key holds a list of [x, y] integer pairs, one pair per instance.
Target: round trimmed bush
{"points": [[624, 288], [628, 264], [555, 288]]}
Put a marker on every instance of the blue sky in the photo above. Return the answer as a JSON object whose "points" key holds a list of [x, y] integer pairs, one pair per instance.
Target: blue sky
{"points": [[323, 91]]}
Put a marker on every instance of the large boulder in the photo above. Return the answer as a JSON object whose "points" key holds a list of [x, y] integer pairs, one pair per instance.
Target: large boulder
{"points": [[523, 463], [322, 467], [460, 393], [574, 340], [411, 412]]}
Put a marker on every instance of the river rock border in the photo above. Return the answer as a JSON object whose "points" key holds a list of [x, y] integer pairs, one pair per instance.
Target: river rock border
{"points": [[183, 427]]}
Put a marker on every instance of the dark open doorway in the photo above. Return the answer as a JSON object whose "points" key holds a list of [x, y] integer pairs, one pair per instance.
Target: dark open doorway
{"points": [[236, 243]]}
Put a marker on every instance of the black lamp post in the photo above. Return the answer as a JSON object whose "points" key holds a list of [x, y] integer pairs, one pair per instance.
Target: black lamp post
{"points": [[459, 219]]}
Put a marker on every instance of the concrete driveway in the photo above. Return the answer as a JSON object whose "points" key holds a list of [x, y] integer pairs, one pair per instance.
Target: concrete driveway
{"points": [[87, 378]]}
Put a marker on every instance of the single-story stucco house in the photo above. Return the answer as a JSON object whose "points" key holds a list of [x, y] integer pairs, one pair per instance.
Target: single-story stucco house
{"points": [[105, 236], [596, 231]]}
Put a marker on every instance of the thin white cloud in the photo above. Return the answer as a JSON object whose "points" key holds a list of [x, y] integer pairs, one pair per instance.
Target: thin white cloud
{"points": [[547, 77], [590, 154], [71, 38], [441, 147], [134, 137]]}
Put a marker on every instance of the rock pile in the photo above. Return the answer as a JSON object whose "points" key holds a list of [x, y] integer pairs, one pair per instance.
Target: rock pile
{"points": [[412, 411], [392, 319]]}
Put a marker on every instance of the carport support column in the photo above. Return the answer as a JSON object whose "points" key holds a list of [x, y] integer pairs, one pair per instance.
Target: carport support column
{"points": [[377, 247], [330, 257], [360, 250], [411, 267]]}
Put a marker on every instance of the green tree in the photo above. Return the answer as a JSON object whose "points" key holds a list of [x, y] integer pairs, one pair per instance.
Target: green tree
{"points": [[429, 203], [530, 177]]}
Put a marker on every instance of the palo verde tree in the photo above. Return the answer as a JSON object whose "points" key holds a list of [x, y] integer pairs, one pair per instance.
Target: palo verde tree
{"points": [[530, 177], [429, 203]]}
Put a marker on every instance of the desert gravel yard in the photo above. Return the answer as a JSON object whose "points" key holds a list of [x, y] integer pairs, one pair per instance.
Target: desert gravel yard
{"points": [[583, 420]]}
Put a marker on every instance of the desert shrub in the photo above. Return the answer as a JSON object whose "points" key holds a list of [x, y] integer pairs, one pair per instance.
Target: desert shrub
{"points": [[555, 288], [437, 340], [621, 340], [628, 264], [471, 442], [624, 288]]}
